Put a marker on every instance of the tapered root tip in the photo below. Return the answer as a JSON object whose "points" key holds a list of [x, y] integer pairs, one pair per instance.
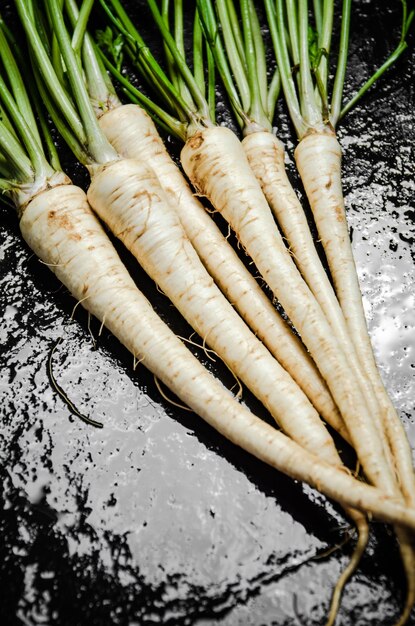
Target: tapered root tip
{"points": [[362, 541]]}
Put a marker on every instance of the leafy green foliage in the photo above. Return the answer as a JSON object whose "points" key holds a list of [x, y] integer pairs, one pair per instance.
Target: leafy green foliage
{"points": [[313, 49], [112, 44]]}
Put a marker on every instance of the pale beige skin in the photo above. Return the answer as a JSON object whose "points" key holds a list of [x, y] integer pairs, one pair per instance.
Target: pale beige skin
{"points": [[265, 154], [61, 229], [134, 135], [126, 195], [216, 164], [266, 157], [386, 477], [318, 158]]}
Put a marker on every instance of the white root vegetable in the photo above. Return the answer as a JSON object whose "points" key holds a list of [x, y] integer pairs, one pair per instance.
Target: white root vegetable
{"points": [[217, 166], [127, 197], [318, 158], [265, 154], [133, 134], [61, 229], [137, 233]]}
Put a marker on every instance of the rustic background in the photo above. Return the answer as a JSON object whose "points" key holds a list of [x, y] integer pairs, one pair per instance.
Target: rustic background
{"points": [[155, 519]]}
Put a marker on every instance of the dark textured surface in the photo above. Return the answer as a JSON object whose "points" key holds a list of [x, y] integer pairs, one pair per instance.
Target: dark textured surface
{"points": [[154, 518]]}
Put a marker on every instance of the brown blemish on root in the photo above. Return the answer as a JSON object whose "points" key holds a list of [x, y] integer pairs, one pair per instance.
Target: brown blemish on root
{"points": [[339, 213], [196, 157], [105, 166], [63, 221], [196, 141], [143, 193]]}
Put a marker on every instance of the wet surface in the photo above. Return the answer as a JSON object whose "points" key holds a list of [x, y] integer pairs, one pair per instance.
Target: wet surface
{"points": [[155, 519]]}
